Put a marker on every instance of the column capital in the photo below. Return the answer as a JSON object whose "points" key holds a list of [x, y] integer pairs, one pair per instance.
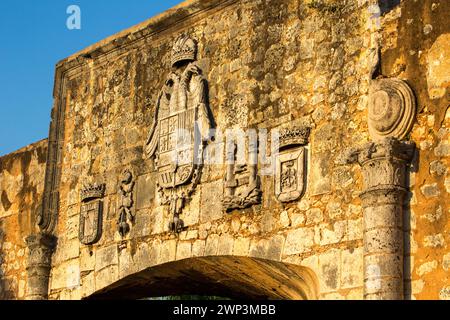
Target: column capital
{"points": [[390, 149], [41, 240]]}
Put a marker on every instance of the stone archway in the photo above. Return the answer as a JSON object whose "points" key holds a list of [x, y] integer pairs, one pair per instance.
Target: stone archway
{"points": [[226, 276]]}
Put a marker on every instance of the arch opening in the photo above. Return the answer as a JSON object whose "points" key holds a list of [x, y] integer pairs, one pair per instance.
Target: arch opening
{"points": [[220, 276]]}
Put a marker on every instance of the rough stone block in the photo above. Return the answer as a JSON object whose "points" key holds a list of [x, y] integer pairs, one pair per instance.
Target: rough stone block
{"points": [[427, 267], [329, 270], [66, 250], [355, 229], [87, 285], [430, 190], [142, 225], [434, 241], [319, 176], [446, 262], [145, 190], [143, 257], [65, 275], [314, 216], [126, 264], [268, 248], [168, 251], [299, 241], [211, 201], [284, 219], [352, 272], [106, 277], [87, 259], [184, 250], [311, 262], [154, 254], [212, 245], [226, 243], [191, 213], [198, 248], [72, 227], [332, 235], [106, 256], [241, 246], [157, 221]]}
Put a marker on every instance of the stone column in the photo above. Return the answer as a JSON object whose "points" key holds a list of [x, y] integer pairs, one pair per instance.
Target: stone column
{"points": [[384, 166], [41, 248]]}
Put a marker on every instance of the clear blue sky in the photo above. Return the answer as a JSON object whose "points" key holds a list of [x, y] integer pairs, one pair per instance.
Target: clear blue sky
{"points": [[34, 37]]}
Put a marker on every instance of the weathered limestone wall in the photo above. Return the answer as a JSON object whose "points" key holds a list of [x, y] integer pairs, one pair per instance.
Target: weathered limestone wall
{"points": [[416, 47], [268, 63], [21, 186]]}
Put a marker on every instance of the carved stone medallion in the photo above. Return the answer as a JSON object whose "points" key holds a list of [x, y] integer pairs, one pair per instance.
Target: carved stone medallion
{"points": [[180, 130], [91, 213], [392, 109], [290, 166]]}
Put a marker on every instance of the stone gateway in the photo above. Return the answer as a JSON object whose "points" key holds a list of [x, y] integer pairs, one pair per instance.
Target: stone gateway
{"points": [[271, 149]]}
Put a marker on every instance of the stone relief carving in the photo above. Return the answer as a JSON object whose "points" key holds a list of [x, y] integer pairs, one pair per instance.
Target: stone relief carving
{"points": [[290, 165], [91, 213], [392, 104], [180, 130], [242, 184], [392, 109], [126, 202]]}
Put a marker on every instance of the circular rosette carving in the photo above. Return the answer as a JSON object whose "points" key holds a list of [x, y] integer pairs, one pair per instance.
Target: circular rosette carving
{"points": [[392, 109]]}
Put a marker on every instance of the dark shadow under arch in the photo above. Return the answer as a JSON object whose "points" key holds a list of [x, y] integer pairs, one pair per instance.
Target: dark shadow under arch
{"points": [[225, 276]]}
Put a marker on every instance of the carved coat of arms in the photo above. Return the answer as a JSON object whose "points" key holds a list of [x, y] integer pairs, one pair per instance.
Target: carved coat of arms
{"points": [[91, 213], [290, 165], [180, 129]]}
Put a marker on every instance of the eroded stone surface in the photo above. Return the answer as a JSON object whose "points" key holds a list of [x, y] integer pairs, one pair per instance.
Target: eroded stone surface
{"points": [[267, 63]]}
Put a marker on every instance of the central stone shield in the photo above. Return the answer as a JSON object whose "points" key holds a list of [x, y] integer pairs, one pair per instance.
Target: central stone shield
{"points": [[177, 148]]}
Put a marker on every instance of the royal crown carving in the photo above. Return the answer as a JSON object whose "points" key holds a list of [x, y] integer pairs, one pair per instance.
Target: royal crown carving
{"points": [[184, 49], [92, 191], [294, 136]]}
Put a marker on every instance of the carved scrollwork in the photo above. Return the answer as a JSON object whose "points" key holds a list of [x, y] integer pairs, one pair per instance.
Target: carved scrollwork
{"points": [[392, 109]]}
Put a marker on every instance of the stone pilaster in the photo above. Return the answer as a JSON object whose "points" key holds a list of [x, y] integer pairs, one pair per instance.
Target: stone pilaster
{"points": [[41, 248], [384, 166]]}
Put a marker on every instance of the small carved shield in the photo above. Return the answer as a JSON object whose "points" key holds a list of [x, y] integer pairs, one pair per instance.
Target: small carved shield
{"points": [[90, 222], [290, 175]]}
